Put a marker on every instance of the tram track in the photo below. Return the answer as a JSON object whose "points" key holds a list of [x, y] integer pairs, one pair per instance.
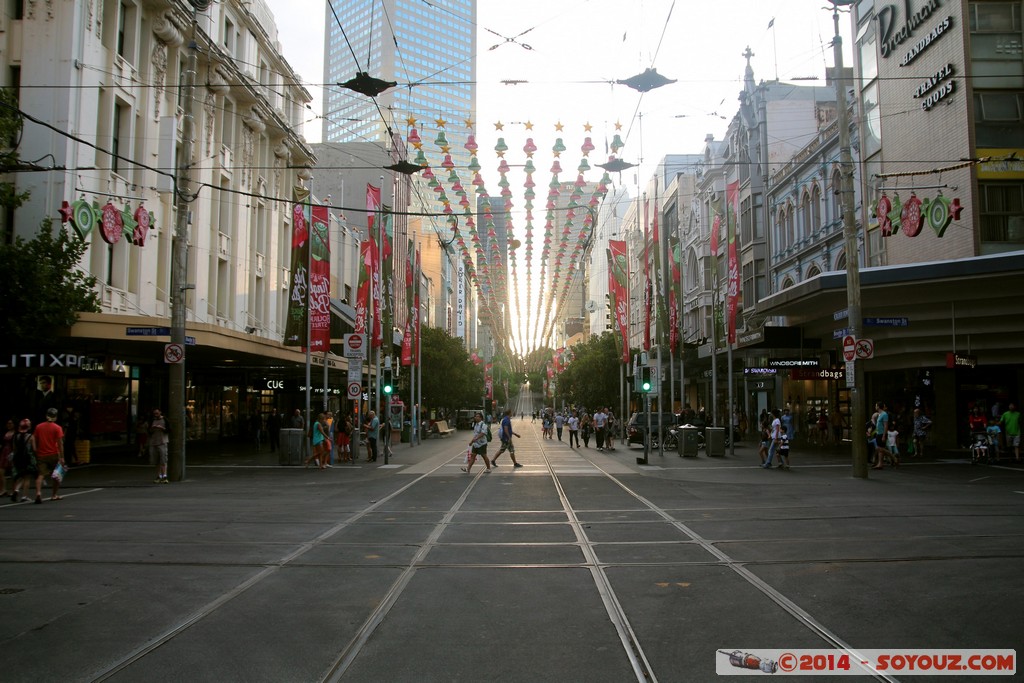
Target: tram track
{"points": [[579, 520]]}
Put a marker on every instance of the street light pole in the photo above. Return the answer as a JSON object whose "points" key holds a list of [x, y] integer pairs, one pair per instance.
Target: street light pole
{"points": [[179, 259], [859, 446]]}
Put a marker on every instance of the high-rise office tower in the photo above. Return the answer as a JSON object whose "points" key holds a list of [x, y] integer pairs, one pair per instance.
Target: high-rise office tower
{"points": [[427, 48]]}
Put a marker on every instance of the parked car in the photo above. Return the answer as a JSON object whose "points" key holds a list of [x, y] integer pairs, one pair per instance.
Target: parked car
{"points": [[636, 428]]}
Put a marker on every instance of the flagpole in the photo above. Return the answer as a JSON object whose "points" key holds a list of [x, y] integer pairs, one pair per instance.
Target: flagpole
{"points": [[309, 325]]}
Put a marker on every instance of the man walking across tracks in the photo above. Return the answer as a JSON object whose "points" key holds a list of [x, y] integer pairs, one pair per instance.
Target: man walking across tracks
{"points": [[48, 444], [505, 434]]}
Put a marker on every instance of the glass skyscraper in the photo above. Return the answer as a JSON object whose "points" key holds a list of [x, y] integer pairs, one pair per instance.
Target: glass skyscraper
{"points": [[428, 48]]}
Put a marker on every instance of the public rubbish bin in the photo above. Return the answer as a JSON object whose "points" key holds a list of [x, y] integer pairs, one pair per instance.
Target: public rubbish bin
{"points": [[715, 440], [687, 442], [292, 446], [407, 431]]}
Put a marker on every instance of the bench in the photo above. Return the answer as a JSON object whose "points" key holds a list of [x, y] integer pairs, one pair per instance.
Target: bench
{"points": [[442, 429]]}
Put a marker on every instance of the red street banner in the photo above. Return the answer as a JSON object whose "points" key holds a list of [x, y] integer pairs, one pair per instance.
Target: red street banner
{"points": [[410, 320], [372, 207], [320, 281], [295, 328], [417, 275], [647, 280], [367, 261], [732, 192], [675, 287], [714, 234], [618, 277]]}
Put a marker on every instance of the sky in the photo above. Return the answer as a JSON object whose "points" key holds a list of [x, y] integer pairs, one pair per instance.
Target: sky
{"points": [[578, 47], [567, 55]]}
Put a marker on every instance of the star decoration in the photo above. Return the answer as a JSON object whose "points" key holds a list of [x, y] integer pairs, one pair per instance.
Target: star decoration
{"points": [[411, 120], [587, 126], [500, 153], [955, 208], [559, 126], [441, 123], [65, 211], [469, 123], [618, 126], [499, 126], [446, 149], [529, 125]]}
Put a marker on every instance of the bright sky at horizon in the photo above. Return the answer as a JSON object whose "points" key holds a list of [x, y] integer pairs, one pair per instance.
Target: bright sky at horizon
{"points": [[566, 56]]}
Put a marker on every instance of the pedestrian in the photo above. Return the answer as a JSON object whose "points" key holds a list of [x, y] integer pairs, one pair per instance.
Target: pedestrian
{"points": [[23, 461], [835, 419], [823, 427], [329, 441], [318, 435], [545, 427], [505, 435], [6, 454], [892, 444], [788, 422], [764, 444], [881, 419], [921, 426], [783, 449], [774, 437], [574, 429], [385, 437], [611, 430], [586, 428], [600, 427], [256, 429], [274, 421], [48, 444], [343, 439], [156, 440], [477, 444], [68, 421], [297, 421], [1010, 422], [372, 434], [559, 422]]}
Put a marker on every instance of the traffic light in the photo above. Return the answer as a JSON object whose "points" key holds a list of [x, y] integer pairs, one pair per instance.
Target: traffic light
{"points": [[645, 379], [387, 382]]}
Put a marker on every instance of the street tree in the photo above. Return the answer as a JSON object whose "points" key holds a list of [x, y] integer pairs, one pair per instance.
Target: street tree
{"points": [[592, 377], [450, 379]]}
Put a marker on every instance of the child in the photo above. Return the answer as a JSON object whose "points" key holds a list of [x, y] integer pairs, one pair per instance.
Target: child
{"points": [[766, 441], [784, 448], [892, 442]]}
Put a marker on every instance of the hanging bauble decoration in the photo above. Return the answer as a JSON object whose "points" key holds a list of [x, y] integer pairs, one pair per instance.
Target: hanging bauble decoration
{"points": [[471, 145], [414, 138]]}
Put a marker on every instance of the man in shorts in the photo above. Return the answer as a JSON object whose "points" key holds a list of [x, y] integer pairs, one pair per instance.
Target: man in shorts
{"points": [[48, 444], [1010, 422], [158, 438], [477, 444], [506, 434]]}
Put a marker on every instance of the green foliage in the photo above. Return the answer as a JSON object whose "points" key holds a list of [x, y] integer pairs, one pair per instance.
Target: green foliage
{"points": [[450, 378], [42, 290], [592, 378]]}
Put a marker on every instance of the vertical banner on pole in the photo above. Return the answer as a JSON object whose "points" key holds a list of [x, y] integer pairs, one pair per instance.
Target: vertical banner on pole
{"points": [[320, 281], [675, 287], [647, 280], [298, 290], [733, 292], [618, 272], [387, 283], [410, 320]]}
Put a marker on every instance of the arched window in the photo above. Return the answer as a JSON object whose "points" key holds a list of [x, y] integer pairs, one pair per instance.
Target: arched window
{"points": [[790, 228], [841, 262], [815, 209], [813, 271], [780, 231], [692, 271], [837, 199], [804, 229], [787, 282]]}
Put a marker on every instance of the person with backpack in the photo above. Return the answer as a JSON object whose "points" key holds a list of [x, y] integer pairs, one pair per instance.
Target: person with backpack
{"points": [[23, 460], [478, 444]]}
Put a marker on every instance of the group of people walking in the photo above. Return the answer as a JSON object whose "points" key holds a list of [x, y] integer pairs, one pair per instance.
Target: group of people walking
{"points": [[32, 454], [336, 441], [580, 423]]}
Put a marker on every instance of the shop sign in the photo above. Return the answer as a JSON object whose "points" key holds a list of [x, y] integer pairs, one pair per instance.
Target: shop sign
{"points": [[61, 360], [271, 384], [760, 372], [794, 362], [936, 87], [892, 36], [960, 360], [836, 374], [767, 384], [1001, 164]]}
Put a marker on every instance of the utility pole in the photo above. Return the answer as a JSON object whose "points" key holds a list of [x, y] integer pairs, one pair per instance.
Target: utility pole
{"points": [[179, 258], [859, 447]]}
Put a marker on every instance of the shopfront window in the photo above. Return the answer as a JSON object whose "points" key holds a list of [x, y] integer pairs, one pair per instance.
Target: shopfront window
{"points": [[1002, 216]]}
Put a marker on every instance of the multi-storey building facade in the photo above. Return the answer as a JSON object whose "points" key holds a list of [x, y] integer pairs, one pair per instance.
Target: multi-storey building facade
{"points": [[113, 108]]}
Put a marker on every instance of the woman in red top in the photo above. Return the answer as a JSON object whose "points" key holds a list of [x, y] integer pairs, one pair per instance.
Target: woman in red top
{"points": [[976, 421], [343, 438]]}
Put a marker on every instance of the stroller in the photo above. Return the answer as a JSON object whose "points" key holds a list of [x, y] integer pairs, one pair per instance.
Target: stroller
{"points": [[985, 446]]}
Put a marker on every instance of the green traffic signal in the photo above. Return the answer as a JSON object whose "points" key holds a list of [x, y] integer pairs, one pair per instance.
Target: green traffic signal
{"points": [[387, 384], [645, 379]]}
